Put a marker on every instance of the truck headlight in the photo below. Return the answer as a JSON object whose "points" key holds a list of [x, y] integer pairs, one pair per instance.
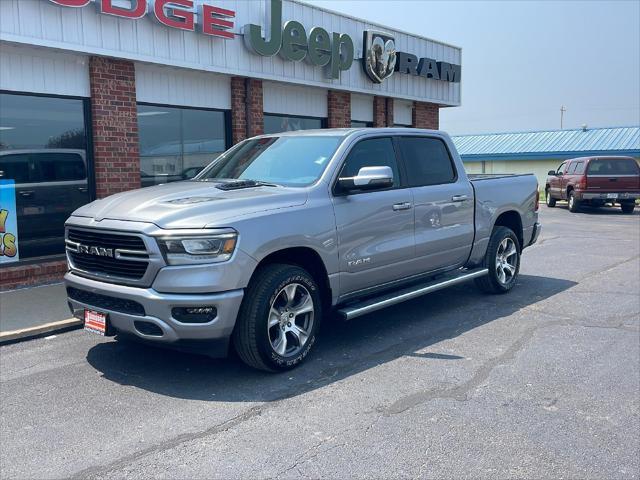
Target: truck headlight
{"points": [[185, 250]]}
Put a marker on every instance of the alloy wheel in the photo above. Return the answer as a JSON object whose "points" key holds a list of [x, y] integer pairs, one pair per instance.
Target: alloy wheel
{"points": [[506, 261], [291, 319]]}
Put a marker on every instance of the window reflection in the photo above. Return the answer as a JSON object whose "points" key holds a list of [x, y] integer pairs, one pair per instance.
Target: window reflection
{"points": [[289, 123], [177, 143]]}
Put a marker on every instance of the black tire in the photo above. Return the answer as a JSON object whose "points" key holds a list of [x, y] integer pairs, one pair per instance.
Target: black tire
{"points": [[549, 200], [574, 204], [627, 207], [491, 283], [251, 336]]}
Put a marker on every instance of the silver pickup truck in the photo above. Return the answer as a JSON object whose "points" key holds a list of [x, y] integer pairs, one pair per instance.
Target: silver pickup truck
{"points": [[283, 229]]}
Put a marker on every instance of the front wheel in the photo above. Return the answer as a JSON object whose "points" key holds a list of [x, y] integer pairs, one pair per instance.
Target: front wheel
{"points": [[549, 200], [278, 319], [502, 260], [627, 207]]}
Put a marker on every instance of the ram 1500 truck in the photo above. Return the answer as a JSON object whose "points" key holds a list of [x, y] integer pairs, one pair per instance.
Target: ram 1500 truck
{"points": [[283, 229]]}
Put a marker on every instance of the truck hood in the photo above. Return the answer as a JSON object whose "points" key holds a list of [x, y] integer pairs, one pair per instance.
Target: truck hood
{"points": [[191, 204]]}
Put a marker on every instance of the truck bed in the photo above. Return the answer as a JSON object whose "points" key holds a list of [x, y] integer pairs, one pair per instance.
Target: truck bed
{"points": [[473, 177]]}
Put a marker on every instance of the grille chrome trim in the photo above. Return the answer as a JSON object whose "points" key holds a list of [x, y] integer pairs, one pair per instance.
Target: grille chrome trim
{"points": [[130, 265]]}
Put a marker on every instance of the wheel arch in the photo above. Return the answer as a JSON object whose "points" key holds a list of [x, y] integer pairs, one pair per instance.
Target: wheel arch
{"points": [[303, 257], [511, 219]]}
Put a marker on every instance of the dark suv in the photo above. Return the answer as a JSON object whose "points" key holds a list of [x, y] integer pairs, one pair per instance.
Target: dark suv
{"points": [[595, 181]]}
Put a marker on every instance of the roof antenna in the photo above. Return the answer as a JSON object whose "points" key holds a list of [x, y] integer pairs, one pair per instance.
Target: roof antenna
{"points": [[584, 127]]}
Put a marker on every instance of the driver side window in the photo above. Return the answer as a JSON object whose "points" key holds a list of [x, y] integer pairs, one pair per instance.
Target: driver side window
{"points": [[561, 169], [374, 152]]}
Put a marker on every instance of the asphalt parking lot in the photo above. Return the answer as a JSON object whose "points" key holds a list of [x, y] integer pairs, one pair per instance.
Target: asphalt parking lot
{"points": [[542, 382]]}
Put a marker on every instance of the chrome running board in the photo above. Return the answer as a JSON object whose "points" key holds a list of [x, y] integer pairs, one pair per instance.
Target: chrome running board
{"points": [[371, 305]]}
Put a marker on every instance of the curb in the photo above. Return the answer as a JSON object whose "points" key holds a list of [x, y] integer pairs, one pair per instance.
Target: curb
{"points": [[15, 336]]}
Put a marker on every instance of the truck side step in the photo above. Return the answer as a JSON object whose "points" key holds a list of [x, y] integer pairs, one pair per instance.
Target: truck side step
{"points": [[371, 305]]}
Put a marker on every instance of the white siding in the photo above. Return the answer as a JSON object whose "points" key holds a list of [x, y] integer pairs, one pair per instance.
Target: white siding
{"points": [[294, 100], [402, 112], [40, 22], [362, 107], [178, 86], [38, 70]]}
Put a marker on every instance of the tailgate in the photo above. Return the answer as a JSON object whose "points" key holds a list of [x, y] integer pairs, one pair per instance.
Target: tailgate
{"points": [[613, 174]]}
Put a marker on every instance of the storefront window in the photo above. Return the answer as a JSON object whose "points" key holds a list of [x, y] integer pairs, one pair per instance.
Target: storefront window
{"points": [[288, 123], [43, 150], [177, 143]]}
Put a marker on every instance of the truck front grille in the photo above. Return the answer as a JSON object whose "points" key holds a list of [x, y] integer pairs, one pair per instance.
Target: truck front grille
{"points": [[107, 254]]}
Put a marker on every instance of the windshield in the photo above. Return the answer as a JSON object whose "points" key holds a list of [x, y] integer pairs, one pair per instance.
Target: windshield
{"points": [[287, 161], [613, 166]]}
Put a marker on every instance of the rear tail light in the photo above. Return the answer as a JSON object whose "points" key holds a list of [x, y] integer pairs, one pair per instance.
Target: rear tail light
{"points": [[583, 183], [537, 198]]}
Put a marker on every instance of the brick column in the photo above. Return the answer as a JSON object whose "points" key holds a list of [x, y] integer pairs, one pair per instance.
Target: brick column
{"points": [[379, 112], [247, 113], [339, 109], [426, 115], [114, 116], [382, 112]]}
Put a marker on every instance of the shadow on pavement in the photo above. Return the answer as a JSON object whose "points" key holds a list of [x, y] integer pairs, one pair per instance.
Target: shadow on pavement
{"points": [[586, 209], [343, 349]]}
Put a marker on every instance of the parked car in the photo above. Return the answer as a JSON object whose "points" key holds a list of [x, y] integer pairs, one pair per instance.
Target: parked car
{"points": [[280, 229], [595, 181], [50, 184]]}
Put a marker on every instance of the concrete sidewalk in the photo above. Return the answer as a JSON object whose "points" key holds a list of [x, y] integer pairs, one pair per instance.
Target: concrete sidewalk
{"points": [[34, 311]]}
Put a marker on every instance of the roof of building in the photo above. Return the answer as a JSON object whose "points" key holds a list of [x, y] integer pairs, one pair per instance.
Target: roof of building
{"points": [[553, 144]]}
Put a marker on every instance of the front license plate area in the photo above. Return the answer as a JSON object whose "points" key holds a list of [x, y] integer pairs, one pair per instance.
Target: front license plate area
{"points": [[612, 195], [96, 322]]}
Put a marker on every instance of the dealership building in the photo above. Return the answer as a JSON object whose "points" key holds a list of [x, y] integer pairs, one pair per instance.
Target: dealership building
{"points": [[103, 96]]}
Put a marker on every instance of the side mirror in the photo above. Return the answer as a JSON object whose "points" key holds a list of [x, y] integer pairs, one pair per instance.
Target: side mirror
{"points": [[552, 173], [368, 178]]}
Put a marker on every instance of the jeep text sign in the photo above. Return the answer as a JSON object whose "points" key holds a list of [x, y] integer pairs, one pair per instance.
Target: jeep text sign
{"points": [[292, 43]]}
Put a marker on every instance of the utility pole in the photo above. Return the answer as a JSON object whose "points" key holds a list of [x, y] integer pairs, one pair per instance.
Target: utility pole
{"points": [[562, 110]]}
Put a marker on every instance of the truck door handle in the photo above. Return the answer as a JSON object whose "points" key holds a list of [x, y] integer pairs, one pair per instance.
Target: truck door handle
{"points": [[82, 189], [402, 206], [459, 198], [26, 193]]}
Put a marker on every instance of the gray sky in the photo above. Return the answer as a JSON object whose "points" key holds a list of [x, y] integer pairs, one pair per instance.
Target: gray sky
{"points": [[522, 60]]}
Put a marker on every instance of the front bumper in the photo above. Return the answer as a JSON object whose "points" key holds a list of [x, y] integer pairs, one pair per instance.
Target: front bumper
{"points": [[611, 196], [158, 311]]}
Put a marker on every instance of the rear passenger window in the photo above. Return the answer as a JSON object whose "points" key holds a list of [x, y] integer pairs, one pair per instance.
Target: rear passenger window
{"points": [[375, 152], [572, 168], [15, 167], [427, 160], [59, 167], [579, 168]]}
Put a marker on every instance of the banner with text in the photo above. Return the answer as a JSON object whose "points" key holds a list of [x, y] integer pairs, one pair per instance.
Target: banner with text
{"points": [[8, 222]]}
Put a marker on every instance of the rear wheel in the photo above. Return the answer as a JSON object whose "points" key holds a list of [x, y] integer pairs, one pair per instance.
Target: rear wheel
{"points": [[627, 207], [278, 319], [574, 204], [549, 200], [502, 260]]}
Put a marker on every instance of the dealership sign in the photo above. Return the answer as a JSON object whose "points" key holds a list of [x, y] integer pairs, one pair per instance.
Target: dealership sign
{"points": [[333, 51], [8, 222]]}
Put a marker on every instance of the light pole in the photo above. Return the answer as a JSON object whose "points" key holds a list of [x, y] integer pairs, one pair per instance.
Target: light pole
{"points": [[562, 110]]}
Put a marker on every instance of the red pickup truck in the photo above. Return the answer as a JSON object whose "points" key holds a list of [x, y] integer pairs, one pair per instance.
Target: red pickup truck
{"points": [[595, 181]]}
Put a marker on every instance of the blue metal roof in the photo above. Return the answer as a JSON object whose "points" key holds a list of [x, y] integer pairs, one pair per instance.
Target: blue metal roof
{"points": [[554, 144]]}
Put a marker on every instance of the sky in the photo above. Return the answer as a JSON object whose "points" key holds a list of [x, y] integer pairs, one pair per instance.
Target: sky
{"points": [[522, 61]]}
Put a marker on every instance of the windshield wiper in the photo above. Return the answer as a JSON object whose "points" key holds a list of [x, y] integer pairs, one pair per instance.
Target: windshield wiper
{"points": [[239, 184]]}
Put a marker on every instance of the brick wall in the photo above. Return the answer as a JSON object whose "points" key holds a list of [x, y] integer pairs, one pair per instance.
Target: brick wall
{"points": [[27, 275], [426, 115], [382, 112], [339, 109], [247, 116], [115, 125]]}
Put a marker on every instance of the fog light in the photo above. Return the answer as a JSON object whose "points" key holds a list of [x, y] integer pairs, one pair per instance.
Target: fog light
{"points": [[194, 314]]}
